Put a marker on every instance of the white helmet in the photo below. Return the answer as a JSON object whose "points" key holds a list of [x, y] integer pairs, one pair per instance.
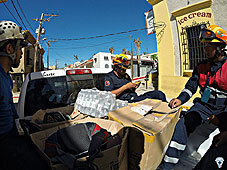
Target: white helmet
{"points": [[10, 31]]}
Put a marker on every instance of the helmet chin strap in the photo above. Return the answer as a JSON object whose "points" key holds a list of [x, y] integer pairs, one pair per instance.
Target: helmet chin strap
{"points": [[13, 55], [218, 53]]}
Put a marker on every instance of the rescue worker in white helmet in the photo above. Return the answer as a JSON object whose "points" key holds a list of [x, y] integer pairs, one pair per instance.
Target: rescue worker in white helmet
{"points": [[210, 76], [119, 83], [16, 152]]}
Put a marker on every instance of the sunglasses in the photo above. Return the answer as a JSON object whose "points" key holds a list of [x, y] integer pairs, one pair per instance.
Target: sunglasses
{"points": [[207, 35]]}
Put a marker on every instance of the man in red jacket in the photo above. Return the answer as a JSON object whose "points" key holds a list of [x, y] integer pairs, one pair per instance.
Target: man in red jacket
{"points": [[210, 76]]}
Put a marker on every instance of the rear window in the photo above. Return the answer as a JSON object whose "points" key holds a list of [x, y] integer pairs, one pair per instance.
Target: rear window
{"points": [[52, 93]]}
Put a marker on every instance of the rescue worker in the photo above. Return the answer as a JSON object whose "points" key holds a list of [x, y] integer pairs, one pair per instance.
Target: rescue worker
{"points": [[210, 76], [216, 156], [119, 83], [16, 152]]}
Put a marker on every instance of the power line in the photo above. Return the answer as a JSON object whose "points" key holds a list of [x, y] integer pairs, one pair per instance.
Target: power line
{"points": [[91, 45], [99, 36], [19, 14], [25, 16], [11, 13]]}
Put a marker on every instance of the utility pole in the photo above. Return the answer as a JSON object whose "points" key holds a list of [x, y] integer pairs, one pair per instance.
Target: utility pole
{"points": [[38, 34], [56, 64], [48, 45], [131, 58]]}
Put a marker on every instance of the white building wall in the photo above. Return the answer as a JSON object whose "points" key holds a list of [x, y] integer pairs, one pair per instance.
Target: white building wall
{"points": [[219, 9], [102, 60]]}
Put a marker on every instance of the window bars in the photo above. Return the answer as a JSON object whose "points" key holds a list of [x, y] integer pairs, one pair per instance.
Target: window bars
{"points": [[192, 48]]}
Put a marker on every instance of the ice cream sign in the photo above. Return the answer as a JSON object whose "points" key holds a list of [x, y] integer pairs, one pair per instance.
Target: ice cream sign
{"points": [[193, 15]]}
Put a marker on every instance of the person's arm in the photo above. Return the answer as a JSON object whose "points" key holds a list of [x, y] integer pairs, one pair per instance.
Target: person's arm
{"points": [[123, 88], [190, 89], [109, 86]]}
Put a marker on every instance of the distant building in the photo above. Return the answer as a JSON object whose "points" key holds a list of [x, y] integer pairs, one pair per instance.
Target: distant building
{"points": [[27, 63], [103, 60]]}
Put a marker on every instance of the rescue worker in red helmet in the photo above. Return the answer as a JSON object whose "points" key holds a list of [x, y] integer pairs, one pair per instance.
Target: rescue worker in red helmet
{"points": [[17, 152], [119, 83], [210, 76]]}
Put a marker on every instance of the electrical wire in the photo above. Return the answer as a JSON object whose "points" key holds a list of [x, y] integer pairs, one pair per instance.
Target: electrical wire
{"points": [[19, 14], [25, 16], [91, 45], [11, 13], [99, 36]]}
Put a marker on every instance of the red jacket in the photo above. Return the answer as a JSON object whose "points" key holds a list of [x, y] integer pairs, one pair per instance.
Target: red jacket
{"points": [[217, 80]]}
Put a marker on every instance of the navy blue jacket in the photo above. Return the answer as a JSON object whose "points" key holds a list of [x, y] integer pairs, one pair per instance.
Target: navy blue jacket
{"points": [[113, 82], [7, 109]]}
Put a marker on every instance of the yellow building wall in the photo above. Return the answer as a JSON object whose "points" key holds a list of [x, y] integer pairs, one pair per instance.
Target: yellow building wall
{"points": [[165, 50], [169, 83]]}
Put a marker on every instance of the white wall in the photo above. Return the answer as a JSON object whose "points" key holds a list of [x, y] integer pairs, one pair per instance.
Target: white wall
{"points": [[99, 62]]}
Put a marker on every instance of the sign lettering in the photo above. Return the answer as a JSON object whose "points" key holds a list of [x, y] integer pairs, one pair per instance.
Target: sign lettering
{"points": [[48, 74], [193, 15]]}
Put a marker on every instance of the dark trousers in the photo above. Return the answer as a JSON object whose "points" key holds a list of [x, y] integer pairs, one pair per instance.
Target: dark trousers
{"points": [[19, 153], [155, 94], [214, 157], [200, 113]]}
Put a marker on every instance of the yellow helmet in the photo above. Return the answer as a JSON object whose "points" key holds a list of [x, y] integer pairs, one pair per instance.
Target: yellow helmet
{"points": [[121, 60], [213, 33]]}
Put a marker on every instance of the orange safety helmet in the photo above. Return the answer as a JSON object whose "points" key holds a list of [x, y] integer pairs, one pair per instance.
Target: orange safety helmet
{"points": [[121, 60], [213, 33]]}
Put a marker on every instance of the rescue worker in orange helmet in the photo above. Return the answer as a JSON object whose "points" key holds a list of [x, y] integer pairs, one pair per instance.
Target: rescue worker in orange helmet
{"points": [[119, 83], [210, 76]]}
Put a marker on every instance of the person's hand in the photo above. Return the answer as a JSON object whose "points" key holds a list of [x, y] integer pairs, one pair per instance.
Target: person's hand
{"points": [[214, 120], [174, 103], [220, 139], [130, 85], [138, 84]]}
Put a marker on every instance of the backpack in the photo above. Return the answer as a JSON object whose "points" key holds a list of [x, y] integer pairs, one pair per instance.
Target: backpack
{"points": [[69, 144]]}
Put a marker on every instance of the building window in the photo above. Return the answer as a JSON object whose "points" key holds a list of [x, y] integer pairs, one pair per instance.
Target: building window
{"points": [[95, 59], [106, 65], [106, 58], [192, 48]]}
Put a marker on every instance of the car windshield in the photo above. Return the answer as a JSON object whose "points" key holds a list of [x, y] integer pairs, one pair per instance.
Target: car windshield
{"points": [[52, 93]]}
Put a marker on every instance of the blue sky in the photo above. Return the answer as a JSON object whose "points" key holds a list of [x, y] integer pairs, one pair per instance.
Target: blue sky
{"points": [[82, 19]]}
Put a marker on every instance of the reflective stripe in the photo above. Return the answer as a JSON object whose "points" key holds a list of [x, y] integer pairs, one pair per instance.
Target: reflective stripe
{"points": [[215, 29], [218, 91], [170, 159], [221, 96], [218, 96], [176, 145], [212, 96], [188, 92]]}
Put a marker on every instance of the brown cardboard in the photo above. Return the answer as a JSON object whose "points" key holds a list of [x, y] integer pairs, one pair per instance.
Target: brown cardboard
{"points": [[113, 157], [157, 129]]}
